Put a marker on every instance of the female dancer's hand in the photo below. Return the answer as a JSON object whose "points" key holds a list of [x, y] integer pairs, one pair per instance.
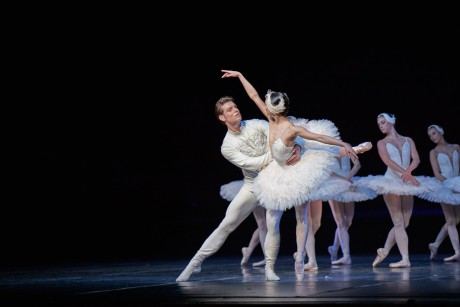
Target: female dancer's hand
{"points": [[350, 151], [295, 157], [230, 73], [407, 176]]}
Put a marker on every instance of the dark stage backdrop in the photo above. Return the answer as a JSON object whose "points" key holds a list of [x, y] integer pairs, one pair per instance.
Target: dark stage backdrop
{"points": [[125, 161]]}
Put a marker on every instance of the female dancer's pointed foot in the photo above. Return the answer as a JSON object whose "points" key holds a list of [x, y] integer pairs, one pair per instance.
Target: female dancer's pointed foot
{"points": [[433, 250], [192, 268], [382, 253], [455, 257], [260, 263], [363, 147], [401, 264], [299, 270], [245, 259], [333, 252], [343, 260], [299, 266], [310, 267]]}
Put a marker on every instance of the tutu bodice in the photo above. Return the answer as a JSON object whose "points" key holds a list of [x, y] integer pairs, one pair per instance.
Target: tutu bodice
{"points": [[343, 167], [280, 152], [447, 167], [352, 193], [401, 158]]}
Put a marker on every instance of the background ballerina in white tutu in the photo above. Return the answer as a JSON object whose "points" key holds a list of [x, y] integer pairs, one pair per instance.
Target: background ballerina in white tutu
{"points": [[445, 160], [398, 186]]}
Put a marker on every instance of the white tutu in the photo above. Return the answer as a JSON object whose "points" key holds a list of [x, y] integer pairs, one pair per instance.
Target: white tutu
{"points": [[329, 188], [442, 195], [281, 187], [319, 126], [358, 194], [385, 185], [453, 183], [228, 191]]}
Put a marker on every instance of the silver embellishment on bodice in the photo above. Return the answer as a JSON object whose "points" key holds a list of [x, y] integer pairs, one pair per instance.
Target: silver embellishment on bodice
{"points": [[255, 144], [343, 168]]}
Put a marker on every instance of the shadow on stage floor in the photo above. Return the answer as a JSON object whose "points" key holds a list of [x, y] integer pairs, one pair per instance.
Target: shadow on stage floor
{"points": [[222, 281]]}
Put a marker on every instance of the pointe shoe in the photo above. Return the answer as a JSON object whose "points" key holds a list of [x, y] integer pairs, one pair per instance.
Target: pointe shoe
{"points": [[192, 268], [299, 267], [455, 257], [245, 259], [401, 264], [333, 252], [382, 253], [433, 250], [310, 267], [258, 264], [343, 260], [363, 147]]}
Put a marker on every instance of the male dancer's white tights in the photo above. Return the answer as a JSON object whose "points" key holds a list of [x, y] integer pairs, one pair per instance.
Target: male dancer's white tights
{"points": [[238, 210]]}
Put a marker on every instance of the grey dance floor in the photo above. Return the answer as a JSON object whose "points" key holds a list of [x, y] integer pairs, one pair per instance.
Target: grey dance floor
{"points": [[223, 281]]}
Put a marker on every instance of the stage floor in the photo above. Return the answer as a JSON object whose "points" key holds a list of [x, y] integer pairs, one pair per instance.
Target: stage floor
{"points": [[222, 281]]}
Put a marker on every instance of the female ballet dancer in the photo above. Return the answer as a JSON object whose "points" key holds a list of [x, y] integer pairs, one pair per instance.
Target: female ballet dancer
{"points": [[279, 187], [445, 160], [341, 194], [343, 208], [398, 186]]}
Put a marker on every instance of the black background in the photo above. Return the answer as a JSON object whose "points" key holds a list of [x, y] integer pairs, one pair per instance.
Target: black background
{"points": [[122, 156]]}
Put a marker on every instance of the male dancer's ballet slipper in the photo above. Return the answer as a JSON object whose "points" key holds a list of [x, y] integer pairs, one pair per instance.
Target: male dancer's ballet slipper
{"points": [[382, 253], [363, 147], [270, 259], [333, 252], [192, 268], [401, 264], [433, 250], [270, 275]]}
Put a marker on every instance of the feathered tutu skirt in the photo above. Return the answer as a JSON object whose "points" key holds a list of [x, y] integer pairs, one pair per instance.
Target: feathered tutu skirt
{"points": [[444, 194], [229, 190], [355, 193], [387, 185], [453, 183], [281, 187]]}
